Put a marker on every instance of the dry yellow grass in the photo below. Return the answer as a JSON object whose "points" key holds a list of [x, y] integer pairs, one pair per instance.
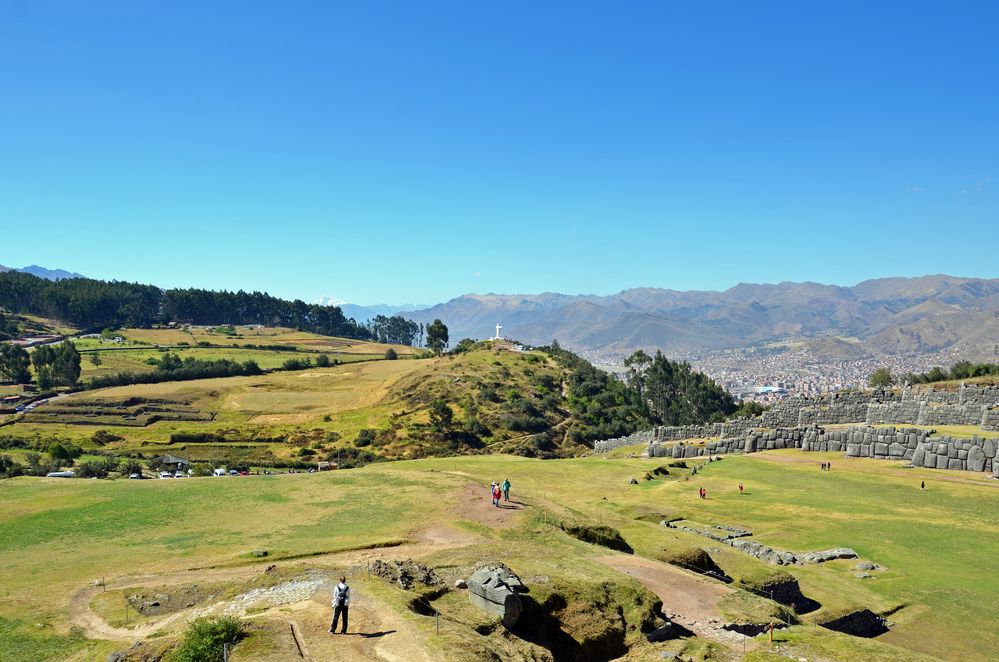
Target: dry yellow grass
{"points": [[316, 391], [262, 336]]}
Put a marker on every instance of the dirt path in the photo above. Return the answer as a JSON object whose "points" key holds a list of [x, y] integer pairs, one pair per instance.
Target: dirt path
{"points": [[377, 632], [476, 504], [883, 468], [693, 599]]}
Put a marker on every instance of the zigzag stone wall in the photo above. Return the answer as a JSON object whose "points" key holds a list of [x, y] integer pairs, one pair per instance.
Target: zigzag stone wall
{"points": [[968, 405], [990, 419], [919, 446], [795, 423], [640, 437]]}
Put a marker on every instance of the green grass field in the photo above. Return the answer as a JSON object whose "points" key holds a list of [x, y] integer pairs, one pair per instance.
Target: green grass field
{"points": [[938, 547]]}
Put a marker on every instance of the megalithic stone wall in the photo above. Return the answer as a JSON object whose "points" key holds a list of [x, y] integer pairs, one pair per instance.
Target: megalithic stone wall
{"points": [[990, 419], [795, 423]]}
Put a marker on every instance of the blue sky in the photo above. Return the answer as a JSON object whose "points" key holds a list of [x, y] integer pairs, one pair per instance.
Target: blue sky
{"points": [[414, 151]]}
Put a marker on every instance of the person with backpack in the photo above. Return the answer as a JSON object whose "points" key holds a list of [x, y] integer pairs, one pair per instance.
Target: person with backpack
{"points": [[341, 605], [506, 489], [496, 494]]}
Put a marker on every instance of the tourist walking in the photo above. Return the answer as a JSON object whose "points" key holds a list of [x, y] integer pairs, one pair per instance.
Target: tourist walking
{"points": [[506, 489], [740, 489], [922, 485], [341, 605], [496, 495]]}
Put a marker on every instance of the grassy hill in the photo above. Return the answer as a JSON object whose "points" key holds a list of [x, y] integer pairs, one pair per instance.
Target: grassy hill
{"points": [[187, 544], [501, 400]]}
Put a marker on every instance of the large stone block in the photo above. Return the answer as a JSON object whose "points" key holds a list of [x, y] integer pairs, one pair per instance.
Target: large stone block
{"points": [[942, 461], [495, 589], [976, 459], [918, 455], [989, 447]]}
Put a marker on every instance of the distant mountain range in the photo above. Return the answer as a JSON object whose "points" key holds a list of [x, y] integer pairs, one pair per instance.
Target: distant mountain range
{"points": [[42, 272], [883, 316], [365, 313]]}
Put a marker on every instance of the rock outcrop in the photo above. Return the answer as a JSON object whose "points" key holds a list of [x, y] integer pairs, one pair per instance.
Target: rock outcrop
{"points": [[496, 589]]}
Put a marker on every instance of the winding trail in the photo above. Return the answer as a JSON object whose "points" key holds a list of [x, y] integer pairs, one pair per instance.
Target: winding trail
{"points": [[377, 631]]}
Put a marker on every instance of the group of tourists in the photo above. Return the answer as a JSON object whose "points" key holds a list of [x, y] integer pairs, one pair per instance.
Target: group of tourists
{"points": [[703, 493], [500, 490], [826, 466]]}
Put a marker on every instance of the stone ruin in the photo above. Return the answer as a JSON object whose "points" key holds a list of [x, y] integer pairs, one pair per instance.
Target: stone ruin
{"points": [[496, 589], [796, 423], [968, 405]]}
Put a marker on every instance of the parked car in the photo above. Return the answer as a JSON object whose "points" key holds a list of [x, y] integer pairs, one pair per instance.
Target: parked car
{"points": [[244, 473], [166, 474], [180, 474], [233, 472], [134, 476], [60, 474], [219, 472]]}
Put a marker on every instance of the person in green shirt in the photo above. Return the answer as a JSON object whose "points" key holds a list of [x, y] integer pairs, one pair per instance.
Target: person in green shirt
{"points": [[506, 489]]}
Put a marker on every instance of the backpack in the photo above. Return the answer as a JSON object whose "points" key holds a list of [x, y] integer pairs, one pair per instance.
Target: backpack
{"points": [[341, 597]]}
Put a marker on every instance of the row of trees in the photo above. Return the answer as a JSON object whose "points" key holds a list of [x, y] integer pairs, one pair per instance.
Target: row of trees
{"points": [[55, 365], [8, 327], [172, 369], [92, 304], [395, 330], [883, 377]]}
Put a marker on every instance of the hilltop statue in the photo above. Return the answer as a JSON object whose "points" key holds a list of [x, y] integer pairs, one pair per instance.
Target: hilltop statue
{"points": [[498, 336]]}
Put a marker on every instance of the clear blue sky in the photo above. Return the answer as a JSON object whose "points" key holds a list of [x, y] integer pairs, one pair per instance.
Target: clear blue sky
{"points": [[414, 151]]}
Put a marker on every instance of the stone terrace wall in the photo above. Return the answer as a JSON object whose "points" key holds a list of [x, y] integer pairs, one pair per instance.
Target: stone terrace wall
{"points": [[990, 419], [919, 446], [966, 394], [640, 437]]}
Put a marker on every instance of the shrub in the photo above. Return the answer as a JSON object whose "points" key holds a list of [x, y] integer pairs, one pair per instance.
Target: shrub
{"points": [[391, 354], [102, 437], [205, 637], [323, 361], [97, 468], [364, 438], [130, 467], [296, 364]]}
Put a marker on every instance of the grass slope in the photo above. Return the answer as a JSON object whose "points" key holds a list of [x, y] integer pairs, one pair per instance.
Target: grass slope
{"points": [[56, 536]]}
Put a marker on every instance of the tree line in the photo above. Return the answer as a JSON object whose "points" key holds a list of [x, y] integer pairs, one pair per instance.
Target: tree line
{"points": [[677, 394], [883, 377], [96, 304]]}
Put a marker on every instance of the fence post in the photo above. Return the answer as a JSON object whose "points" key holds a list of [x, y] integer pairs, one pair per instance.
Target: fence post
{"points": [[437, 616], [225, 652]]}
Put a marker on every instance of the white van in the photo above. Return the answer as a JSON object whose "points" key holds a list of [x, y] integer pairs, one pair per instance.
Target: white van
{"points": [[219, 472], [60, 474]]}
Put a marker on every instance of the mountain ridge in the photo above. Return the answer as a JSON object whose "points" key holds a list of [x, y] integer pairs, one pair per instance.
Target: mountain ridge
{"points": [[895, 314]]}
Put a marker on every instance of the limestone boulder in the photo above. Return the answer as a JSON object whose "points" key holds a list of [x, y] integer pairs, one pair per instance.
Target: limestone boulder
{"points": [[496, 589], [989, 447], [976, 459]]}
